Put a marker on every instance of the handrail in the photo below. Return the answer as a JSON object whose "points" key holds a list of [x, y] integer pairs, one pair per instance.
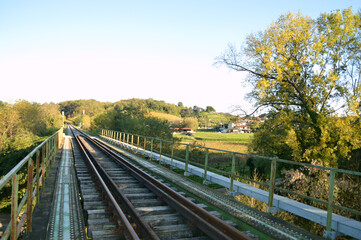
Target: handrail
{"points": [[124, 137], [45, 154], [18, 166], [244, 154]]}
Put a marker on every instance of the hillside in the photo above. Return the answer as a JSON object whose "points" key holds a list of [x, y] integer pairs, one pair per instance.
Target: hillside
{"points": [[150, 107]]}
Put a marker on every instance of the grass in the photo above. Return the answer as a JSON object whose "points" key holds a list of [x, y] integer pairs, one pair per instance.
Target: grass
{"points": [[225, 141], [223, 137]]}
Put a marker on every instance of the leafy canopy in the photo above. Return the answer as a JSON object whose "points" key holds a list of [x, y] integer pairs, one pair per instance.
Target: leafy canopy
{"points": [[305, 71]]}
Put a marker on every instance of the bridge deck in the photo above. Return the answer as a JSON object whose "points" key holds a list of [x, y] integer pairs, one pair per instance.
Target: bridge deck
{"points": [[59, 214]]}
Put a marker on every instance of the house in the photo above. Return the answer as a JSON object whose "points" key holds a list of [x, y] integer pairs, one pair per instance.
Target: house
{"points": [[183, 130], [242, 126], [198, 109]]}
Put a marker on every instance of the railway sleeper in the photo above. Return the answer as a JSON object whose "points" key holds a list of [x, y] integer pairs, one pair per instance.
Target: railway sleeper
{"points": [[166, 222], [164, 219], [147, 202], [106, 235], [175, 231], [154, 210], [131, 196]]}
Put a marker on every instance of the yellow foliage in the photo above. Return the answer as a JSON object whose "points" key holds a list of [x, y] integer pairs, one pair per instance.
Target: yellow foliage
{"points": [[163, 116]]}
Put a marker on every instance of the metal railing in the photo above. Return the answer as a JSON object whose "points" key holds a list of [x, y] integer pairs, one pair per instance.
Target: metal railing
{"points": [[33, 176], [168, 148]]}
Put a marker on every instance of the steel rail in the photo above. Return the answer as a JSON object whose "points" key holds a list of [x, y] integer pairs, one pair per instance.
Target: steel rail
{"points": [[144, 227], [123, 200], [209, 224], [118, 210]]}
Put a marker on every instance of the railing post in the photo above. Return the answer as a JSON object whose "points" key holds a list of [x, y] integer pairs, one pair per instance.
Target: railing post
{"points": [[233, 171], [55, 143], [102, 132], [30, 195], [54, 149], [151, 148], [128, 140], [47, 158], [205, 167], [37, 175], [187, 159], [14, 206], [160, 151], [50, 149], [270, 208], [145, 145], [43, 165], [131, 146], [58, 141], [137, 143], [330, 202], [172, 156]]}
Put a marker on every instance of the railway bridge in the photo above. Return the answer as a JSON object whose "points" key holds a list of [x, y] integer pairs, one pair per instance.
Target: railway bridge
{"points": [[124, 186]]}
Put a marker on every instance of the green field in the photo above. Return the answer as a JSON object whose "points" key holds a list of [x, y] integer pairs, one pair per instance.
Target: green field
{"points": [[223, 137], [225, 141]]}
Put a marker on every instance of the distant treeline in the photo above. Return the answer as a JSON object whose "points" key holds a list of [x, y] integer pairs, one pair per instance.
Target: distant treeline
{"points": [[93, 107], [134, 116], [23, 124]]}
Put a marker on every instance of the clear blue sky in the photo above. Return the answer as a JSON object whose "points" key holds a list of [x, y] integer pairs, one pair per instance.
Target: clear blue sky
{"points": [[52, 51]]}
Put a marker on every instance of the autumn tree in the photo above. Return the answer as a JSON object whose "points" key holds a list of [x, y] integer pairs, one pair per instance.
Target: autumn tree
{"points": [[306, 71]]}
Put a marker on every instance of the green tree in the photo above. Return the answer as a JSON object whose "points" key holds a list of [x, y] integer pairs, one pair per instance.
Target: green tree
{"points": [[132, 120], [190, 123], [210, 109], [187, 112], [254, 126], [50, 113], [306, 70]]}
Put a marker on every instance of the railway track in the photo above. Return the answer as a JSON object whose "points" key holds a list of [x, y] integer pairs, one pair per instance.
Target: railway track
{"points": [[124, 202]]}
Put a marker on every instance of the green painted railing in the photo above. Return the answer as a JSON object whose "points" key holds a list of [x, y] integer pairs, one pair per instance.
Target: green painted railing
{"points": [[159, 145], [34, 176]]}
